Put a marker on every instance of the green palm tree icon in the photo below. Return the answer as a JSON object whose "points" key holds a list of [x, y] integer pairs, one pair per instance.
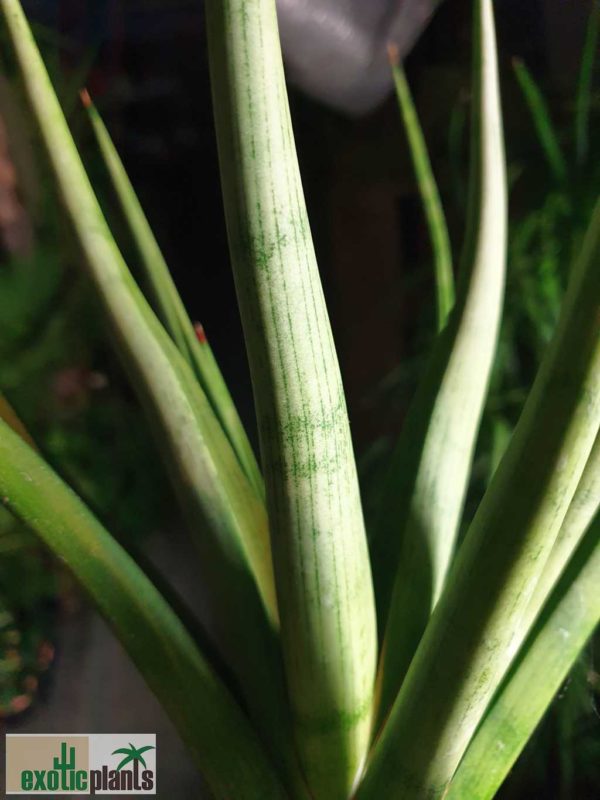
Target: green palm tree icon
{"points": [[132, 754]]}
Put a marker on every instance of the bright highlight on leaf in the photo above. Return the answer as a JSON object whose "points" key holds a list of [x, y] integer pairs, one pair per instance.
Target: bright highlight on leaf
{"points": [[318, 538]]}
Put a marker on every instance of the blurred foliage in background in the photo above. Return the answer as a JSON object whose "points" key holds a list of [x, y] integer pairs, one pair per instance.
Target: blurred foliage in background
{"points": [[554, 189]]}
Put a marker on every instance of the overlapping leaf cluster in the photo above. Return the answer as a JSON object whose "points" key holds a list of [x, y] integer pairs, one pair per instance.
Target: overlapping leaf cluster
{"points": [[309, 705]]}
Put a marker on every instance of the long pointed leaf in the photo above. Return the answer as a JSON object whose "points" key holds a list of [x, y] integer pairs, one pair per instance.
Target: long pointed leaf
{"points": [[430, 196], [431, 466], [226, 516], [566, 624], [317, 530], [197, 353], [466, 647], [541, 119], [213, 727], [584, 89]]}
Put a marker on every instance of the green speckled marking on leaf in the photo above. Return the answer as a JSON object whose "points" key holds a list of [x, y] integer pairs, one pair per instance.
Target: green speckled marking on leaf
{"points": [[317, 531]]}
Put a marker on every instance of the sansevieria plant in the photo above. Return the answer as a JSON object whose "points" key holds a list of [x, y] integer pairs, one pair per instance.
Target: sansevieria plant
{"points": [[394, 666]]}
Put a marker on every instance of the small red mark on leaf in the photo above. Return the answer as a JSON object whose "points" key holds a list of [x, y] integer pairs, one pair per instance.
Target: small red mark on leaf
{"points": [[393, 54], [200, 334], [85, 98]]}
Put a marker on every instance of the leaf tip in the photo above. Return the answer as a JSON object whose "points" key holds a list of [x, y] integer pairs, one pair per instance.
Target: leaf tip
{"points": [[393, 54], [200, 333], [85, 98]]}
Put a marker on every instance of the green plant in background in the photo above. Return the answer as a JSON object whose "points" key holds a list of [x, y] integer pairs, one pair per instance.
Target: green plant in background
{"points": [[310, 706], [432, 204], [544, 241]]}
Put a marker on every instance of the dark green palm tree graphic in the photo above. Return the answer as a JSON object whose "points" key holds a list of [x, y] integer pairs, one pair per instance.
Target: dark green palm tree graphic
{"points": [[132, 754]]}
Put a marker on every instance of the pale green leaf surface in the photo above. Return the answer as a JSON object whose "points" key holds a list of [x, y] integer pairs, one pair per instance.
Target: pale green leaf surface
{"points": [[317, 531]]}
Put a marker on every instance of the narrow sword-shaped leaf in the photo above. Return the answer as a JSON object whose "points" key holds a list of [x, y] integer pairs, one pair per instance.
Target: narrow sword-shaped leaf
{"points": [[540, 114], [226, 516], [466, 647], [567, 622], [430, 196], [317, 531], [218, 735], [430, 469], [584, 90], [167, 301]]}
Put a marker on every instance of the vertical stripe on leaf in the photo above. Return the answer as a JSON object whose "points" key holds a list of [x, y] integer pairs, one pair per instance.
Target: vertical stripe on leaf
{"points": [[319, 546]]}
